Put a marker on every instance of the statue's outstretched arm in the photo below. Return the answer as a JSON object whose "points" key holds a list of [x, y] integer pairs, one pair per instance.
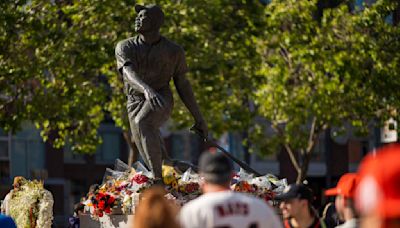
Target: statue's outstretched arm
{"points": [[185, 92]]}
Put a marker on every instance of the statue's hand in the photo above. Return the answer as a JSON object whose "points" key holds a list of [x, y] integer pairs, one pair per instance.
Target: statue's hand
{"points": [[200, 127], [155, 99]]}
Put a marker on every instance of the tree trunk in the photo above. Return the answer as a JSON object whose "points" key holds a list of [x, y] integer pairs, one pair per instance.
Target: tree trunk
{"points": [[302, 173], [246, 153], [305, 160], [300, 177], [133, 151], [307, 152]]}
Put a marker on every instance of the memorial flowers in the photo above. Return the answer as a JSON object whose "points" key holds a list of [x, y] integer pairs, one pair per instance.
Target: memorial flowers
{"points": [[121, 187], [102, 203], [31, 206]]}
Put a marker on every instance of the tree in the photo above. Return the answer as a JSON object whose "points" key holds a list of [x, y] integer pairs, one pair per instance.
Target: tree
{"points": [[45, 77], [320, 73]]}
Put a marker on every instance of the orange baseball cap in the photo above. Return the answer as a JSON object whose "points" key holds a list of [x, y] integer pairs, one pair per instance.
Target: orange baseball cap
{"points": [[378, 191], [345, 187]]}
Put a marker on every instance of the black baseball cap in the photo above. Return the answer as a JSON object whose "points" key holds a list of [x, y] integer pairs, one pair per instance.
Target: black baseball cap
{"points": [[296, 191], [215, 167]]}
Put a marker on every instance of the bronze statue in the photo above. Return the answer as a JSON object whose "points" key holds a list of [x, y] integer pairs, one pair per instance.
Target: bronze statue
{"points": [[147, 63]]}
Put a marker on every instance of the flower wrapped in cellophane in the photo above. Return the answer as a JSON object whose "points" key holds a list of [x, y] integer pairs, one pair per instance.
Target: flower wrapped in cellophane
{"points": [[189, 183], [265, 187]]}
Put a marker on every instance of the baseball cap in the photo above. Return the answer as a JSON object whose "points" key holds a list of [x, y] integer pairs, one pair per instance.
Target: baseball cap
{"points": [[215, 167], [154, 11], [346, 186], [296, 191], [378, 191]]}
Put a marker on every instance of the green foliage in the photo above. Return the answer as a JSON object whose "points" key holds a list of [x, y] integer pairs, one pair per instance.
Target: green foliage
{"points": [[51, 61], [343, 67]]}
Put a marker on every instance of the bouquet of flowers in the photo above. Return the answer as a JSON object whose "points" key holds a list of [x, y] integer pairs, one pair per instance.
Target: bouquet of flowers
{"points": [[102, 203], [265, 187], [170, 176], [119, 190], [31, 205], [189, 183]]}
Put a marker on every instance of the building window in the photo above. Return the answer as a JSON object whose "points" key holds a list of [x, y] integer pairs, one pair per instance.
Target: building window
{"points": [[5, 140], [110, 149], [25, 151], [179, 147]]}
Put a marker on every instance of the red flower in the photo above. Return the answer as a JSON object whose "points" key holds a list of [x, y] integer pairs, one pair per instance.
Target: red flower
{"points": [[140, 179], [111, 200], [99, 196], [101, 205], [192, 187]]}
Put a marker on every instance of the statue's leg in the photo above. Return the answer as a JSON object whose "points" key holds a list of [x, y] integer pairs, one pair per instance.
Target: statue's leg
{"points": [[138, 142], [148, 127], [133, 109]]}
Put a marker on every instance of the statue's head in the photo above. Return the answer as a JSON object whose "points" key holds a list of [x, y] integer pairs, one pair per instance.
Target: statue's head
{"points": [[149, 18]]}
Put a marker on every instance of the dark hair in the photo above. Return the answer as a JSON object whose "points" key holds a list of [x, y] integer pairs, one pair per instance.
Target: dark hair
{"points": [[215, 168]]}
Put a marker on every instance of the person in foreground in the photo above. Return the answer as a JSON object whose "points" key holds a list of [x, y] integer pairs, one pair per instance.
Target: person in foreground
{"points": [[378, 192], [221, 207], [297, 209], [155, 211], [344, 201], [7, 222]]}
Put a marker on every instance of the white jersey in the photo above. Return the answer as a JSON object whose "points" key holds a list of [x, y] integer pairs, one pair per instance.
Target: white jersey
{"points": [[228, 209]]}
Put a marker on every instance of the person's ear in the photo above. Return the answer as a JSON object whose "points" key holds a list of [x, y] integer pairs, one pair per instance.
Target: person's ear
{"points": [[304, 202]]}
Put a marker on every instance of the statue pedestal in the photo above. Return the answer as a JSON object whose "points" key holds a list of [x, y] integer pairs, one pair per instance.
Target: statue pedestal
{"points": [[107, 221]]}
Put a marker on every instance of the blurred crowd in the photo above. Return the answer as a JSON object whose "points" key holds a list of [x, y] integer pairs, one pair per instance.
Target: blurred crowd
{"points": [[368, 198]]}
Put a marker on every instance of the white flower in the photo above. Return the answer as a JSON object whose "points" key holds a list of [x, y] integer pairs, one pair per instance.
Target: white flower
{"points": [[45, 217]]}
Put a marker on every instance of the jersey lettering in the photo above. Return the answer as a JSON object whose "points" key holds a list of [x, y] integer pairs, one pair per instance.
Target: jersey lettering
{"points": [[231, 209]]}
